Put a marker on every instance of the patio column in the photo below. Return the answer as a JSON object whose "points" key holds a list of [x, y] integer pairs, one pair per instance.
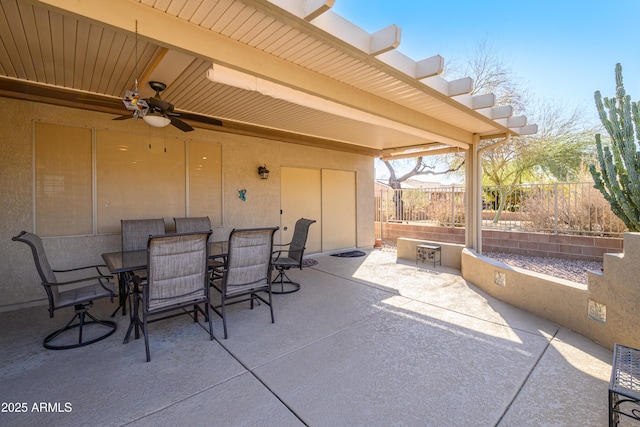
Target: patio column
{"points": [[473, 191]]}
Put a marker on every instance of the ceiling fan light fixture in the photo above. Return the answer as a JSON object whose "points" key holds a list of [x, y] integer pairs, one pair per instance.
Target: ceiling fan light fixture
{"points": [[156, 120]]}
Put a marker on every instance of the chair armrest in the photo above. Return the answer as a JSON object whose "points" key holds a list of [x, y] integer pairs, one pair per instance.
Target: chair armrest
{"points": [[97, 267], [277, 254], [84, 279]]}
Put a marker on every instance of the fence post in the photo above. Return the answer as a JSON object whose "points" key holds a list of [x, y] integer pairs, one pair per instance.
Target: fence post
{"points": [[453, 205], [381, 214], [555, 209]]}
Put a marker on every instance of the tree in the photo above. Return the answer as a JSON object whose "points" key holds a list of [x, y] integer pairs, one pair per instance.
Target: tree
{"points": [[490, 75], [557, 152], [417, 167], [618, 177]]}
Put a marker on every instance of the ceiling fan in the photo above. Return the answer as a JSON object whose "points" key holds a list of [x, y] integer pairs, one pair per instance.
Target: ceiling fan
{"points": [[157, 112]]}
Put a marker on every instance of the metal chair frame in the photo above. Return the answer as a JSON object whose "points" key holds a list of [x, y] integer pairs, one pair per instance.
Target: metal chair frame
{"points": [[295, 254], [80, 297], [135, 235], [259, 279], [168, 303]]}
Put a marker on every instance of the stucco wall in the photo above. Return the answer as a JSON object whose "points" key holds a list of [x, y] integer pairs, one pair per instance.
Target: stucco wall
{"points": [[605, 310], [241, 156], [450, 253], [558, 300]]}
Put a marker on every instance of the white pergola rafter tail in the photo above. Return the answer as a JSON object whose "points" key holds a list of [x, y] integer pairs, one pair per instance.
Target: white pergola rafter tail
{"points": [[513, 122], [314, 8], [399, 61], [429, 67], [385, 40], [476, 102], [334, 24], [527, 130], [451, 89], [483, 101], [460, 86], [501, 112]]}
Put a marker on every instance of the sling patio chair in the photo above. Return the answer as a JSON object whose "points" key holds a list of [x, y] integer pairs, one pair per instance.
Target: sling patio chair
{"points": [[248, 270], [135, 235], [80, 290], [177, 278], [201, 223], [291, 257]]}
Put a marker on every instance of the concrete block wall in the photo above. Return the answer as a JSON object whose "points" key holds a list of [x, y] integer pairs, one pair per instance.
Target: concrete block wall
{"points": [[393, 231], [586, 248]]}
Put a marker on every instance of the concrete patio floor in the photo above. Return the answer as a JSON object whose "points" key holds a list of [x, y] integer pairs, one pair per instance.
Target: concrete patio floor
{"points": [[366, 342]]}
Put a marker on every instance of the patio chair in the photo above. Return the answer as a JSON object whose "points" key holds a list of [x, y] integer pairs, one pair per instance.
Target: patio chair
{"points": [[135, 235], [136, 232], [294, 256], [96, 285], [248, 270], [201, 223], [177, 278]]}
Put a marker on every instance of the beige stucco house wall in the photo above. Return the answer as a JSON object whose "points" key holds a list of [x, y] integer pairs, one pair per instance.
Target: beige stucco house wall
{"points": [[241, 155]]}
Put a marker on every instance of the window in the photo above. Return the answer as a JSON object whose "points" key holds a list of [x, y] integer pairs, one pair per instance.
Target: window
{"points": [[137, 176], [63, 180]]}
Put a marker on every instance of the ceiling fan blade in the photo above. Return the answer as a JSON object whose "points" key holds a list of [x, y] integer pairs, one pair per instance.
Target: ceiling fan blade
{"points": [[201, 119], [159, 105], [125, 117], [180, 124]]}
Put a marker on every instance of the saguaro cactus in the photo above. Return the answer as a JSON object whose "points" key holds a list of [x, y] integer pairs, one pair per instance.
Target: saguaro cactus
{"points": [[618, 177]]}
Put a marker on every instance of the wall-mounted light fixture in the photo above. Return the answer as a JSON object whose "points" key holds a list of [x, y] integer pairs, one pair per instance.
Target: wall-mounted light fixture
{"points": [[263, 172]]}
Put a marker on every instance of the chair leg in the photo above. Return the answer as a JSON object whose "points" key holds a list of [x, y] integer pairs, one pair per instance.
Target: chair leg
{"points": [[224, 317], [80, 325], [271, 306], [208, 309], [146, 336], [123, 295]]}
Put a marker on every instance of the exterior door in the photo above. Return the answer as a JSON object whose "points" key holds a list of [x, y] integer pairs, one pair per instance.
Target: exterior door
{"points": [[300, 198], [338, 209]]}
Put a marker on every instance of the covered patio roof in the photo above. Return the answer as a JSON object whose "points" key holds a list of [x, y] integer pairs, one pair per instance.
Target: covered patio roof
{"points": [[291, 70]]}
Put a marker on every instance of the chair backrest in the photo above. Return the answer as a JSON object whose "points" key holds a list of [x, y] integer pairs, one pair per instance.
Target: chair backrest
{"points": [[136, 232], [192, 225], [42, 264], [249, 259], [177, 272], [299, 240]]}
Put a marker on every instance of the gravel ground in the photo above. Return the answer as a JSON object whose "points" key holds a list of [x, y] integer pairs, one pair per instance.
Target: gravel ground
{"points": [[567, 269]]}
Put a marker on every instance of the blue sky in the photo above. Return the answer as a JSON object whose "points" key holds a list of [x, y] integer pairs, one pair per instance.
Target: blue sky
{"points": [[561, 51]]}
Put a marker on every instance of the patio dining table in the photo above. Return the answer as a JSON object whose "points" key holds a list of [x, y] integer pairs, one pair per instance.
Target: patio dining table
{"points": [[124, 263]]}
